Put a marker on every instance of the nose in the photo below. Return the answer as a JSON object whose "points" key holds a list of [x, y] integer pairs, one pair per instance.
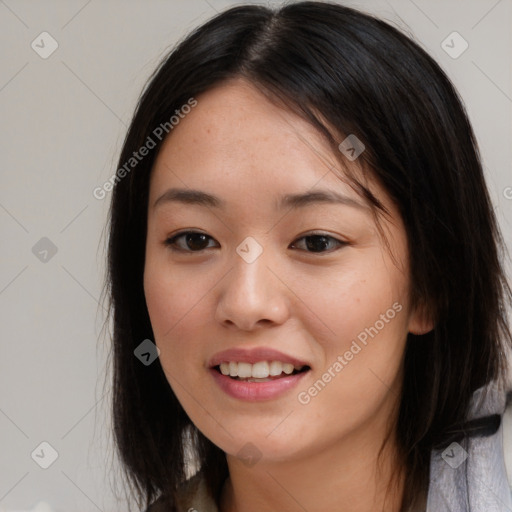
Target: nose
{"points": [[252, 295]]}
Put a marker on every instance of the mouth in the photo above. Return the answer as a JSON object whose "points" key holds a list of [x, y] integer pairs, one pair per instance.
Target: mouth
{"points": [[260, 381], [261, 371], [256, 374]]}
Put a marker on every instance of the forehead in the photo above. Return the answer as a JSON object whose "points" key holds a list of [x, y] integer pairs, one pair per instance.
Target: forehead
{"points": [[236, 112], [236, 143], [236, 125]]}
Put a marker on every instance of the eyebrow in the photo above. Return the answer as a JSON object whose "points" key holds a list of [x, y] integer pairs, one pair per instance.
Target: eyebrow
{"points": [[293, 201]]}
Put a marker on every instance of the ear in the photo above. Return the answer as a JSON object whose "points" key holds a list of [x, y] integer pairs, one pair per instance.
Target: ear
{"points": [[421, 320]]}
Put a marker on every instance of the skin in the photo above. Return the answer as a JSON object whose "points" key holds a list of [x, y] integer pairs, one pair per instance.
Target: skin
{"points": [[237, 145]]}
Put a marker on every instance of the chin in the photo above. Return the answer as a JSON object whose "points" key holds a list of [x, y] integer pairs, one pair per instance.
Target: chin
{"points": [[255, 444]]}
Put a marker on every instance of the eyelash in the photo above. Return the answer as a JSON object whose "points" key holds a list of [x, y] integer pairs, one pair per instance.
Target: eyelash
{"points": [[171, 242]]}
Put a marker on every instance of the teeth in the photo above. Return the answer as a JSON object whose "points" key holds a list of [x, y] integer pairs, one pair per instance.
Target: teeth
{"points": [[288, 368], [259, 370], [276, 368], [244, 370]]}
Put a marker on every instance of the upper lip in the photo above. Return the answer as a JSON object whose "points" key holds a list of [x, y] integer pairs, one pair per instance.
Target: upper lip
{"points": [[244, 355]]}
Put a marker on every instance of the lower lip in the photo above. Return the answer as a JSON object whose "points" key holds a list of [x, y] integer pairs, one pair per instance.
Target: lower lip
{"points": [[256, 391]]}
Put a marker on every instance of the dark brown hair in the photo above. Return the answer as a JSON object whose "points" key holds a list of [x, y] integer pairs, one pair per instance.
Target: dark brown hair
{"points": [[346, 72]]}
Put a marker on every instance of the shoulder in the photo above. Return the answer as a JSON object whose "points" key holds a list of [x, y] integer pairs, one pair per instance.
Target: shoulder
{"points": [[192, 497], [477, 469]]}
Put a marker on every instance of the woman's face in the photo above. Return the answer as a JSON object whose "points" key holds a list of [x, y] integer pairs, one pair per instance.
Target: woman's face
{"points": [[273, 283]]}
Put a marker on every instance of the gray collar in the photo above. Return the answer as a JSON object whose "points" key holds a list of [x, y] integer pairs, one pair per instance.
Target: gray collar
{"points": [[471, 476]]}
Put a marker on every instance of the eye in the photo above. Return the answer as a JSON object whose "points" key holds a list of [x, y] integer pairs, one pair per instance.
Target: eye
{"points": [[194, 241], [317, 242]]}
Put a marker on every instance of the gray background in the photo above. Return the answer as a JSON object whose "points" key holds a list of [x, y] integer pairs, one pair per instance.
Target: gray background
{"points": [[63, 122]]}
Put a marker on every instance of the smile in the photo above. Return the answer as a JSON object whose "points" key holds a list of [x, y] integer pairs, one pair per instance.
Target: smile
{"points": [[255, 374], [262, 371]]}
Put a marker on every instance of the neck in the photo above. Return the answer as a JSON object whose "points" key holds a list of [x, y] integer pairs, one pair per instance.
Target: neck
{"points": [[347, 477]]}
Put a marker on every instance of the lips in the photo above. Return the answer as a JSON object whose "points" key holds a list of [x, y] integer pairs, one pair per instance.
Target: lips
{"points": [[252, 388]]}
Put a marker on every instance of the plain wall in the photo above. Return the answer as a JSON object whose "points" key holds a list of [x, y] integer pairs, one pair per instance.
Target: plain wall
{"points": [[63, 120]]}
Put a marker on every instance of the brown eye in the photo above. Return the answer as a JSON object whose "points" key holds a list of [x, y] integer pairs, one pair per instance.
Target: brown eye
{"points": [[192, 241], [320, 242]]}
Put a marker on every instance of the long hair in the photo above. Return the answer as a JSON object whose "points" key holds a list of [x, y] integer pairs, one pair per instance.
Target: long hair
{"points": [[345, 72]]}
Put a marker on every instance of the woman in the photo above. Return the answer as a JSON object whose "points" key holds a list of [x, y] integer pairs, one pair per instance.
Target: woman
{"points": [[300, 224]]}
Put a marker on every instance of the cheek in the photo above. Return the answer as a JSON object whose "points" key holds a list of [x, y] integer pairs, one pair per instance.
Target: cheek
{"points": [[349, 301], [176, 310], [362, 349], [174, 293], [361, 371], [176, 307]]}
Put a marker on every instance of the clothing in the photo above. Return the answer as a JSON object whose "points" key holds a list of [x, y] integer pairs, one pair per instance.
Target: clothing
{"points": [[480, 483], [193, 498], [469, 478]]}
